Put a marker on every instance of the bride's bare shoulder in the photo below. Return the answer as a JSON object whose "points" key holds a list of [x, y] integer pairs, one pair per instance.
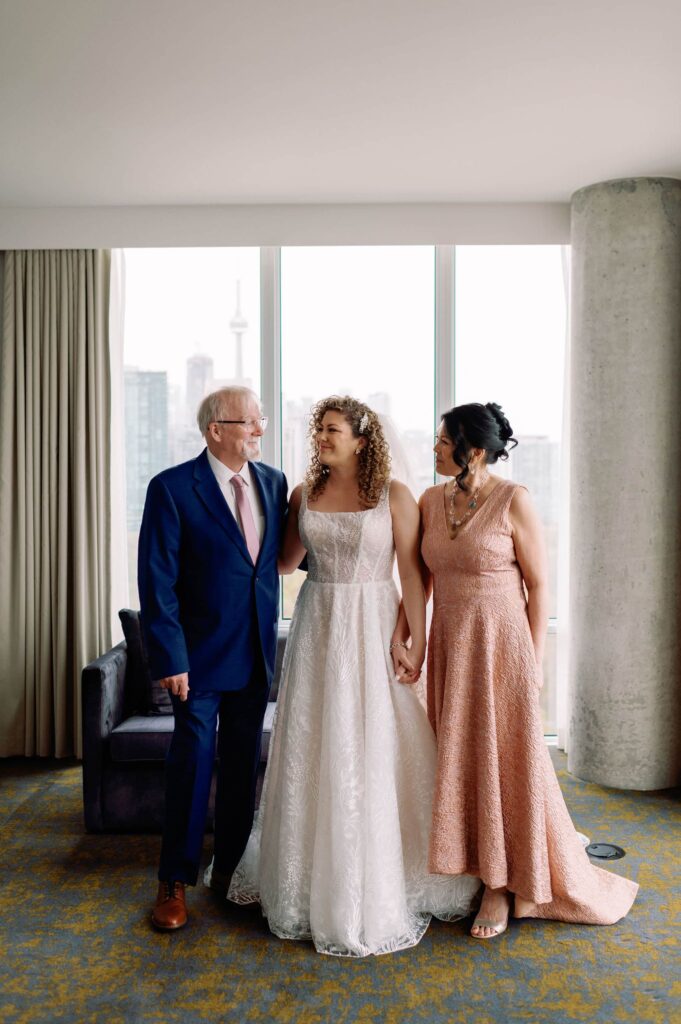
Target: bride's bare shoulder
{"points": [[399, 489], [400, 494]]}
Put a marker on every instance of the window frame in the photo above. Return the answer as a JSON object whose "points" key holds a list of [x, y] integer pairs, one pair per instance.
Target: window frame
{"points": [[271, 355], [445, 346]]}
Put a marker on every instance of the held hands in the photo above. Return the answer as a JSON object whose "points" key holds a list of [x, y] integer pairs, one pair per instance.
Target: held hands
{"points": [[178, 685], [407, 662]]}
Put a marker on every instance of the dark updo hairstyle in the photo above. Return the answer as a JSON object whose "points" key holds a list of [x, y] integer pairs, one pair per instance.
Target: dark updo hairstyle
{"points": [[477, 426]]}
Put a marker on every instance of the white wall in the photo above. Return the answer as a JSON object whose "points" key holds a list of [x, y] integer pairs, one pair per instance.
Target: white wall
{"points": [[309, 224]]}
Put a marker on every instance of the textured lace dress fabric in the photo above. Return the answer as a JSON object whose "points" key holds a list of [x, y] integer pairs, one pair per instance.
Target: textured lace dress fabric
{"points": [[339, 849], [498, 809]]}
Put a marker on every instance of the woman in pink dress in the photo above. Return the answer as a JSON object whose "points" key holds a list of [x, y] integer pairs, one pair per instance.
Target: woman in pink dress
{"points": [[498, 809]]}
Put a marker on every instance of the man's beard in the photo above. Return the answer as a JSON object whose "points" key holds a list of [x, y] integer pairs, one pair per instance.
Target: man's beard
{"points": [[250, 451]]}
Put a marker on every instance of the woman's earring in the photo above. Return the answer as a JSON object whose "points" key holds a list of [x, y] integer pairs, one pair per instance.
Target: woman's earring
{"points": [[357, 451], [471, 469]]}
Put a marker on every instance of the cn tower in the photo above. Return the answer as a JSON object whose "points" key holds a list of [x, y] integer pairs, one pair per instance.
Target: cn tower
{"points": [[238, 326]]}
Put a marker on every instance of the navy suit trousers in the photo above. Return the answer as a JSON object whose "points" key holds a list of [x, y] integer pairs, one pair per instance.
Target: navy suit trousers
{"points": [[189, 772]]}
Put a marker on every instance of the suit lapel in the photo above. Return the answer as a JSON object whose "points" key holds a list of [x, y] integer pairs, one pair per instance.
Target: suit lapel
{"points": [[265, 490], [208, 491]]}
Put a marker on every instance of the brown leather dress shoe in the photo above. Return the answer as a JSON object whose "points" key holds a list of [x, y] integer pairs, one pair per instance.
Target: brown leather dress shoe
{"points": [[170, 911]]}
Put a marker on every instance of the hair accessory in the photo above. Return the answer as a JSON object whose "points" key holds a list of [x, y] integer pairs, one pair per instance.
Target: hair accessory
{"points": [[364, 422]]}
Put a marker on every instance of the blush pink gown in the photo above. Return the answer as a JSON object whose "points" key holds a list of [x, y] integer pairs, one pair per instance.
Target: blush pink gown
{"points": [[498, 811]]}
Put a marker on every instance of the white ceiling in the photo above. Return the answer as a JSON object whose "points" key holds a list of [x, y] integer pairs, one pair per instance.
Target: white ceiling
{"points": [[128, 102]]}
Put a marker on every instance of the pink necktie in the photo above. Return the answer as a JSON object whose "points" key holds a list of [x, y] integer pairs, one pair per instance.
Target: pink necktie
{"points": [[246, 516]]}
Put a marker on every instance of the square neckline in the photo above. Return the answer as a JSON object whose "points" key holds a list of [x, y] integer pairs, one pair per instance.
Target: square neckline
{"points": [[355, 512]]}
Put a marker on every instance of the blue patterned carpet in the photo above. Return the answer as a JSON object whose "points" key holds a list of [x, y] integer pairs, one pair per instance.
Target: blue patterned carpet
{"points": [[76, 944]]}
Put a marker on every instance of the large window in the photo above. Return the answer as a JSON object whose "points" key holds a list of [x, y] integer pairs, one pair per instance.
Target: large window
{"points": [[359, 321], [395, 326], [192, 324], [510, 339]]}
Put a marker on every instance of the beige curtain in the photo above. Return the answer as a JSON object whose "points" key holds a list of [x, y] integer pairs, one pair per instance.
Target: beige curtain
{"points": [[54, 493]]}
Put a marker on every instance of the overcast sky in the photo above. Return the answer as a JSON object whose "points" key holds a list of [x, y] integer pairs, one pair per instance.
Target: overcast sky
{"points": [[362, 318]]}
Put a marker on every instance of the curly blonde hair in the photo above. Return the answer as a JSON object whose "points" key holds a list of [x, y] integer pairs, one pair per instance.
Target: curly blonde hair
{"points": [[374, 458]]}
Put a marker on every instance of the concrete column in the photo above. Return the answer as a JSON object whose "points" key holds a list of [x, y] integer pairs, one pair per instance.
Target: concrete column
{"points": [[625, 504]]}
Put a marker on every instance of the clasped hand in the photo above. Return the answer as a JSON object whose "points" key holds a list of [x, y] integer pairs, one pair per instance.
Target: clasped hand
{"points": [[407, 662]]}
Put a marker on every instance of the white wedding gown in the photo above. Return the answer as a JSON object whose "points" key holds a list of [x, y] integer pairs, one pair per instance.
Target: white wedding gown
{"points": [[338, 851]]}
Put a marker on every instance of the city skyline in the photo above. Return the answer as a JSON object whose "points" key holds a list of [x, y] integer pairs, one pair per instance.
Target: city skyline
{"points": [[353, 320], [161, 430], [366, 315]]}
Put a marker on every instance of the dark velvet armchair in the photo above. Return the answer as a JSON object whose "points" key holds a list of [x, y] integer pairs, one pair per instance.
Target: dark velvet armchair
{"points": [[124, 745]]}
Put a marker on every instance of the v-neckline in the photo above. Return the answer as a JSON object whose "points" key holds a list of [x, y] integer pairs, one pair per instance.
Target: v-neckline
{"points": [[464, 526]]}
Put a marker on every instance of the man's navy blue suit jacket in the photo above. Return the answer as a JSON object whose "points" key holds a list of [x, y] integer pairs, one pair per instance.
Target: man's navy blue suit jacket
{"points": [[205, 608]]}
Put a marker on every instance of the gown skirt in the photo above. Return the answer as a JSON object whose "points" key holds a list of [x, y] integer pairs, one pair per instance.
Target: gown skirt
{"points": [[499, 812], [339, 849]]}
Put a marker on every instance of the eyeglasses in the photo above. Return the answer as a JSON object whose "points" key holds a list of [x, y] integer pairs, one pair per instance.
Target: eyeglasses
{"points": [[261, 422]]}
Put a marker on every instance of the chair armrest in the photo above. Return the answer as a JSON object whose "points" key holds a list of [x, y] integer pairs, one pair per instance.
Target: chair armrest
{"points": [[103, 692]]}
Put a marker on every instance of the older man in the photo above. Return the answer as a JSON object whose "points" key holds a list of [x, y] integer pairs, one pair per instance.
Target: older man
{"points": [[209, 596]]}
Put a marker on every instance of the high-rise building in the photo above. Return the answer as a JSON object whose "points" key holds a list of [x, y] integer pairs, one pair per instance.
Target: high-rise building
{"points": [[536, 463], [200, 375], [380, 402], [185, 443], [418, 450], [146, 435], [295, 445], [238, 325]]}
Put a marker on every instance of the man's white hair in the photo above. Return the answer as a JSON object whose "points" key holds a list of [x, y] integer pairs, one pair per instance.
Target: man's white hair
{"points": [[215, 406]]}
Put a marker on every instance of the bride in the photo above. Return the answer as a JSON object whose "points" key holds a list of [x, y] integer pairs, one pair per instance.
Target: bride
{"points": [[338, 852]]}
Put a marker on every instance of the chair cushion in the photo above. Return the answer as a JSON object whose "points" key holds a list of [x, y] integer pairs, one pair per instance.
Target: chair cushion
{"points": [[147, 737], [146, 695], [142, 738]]}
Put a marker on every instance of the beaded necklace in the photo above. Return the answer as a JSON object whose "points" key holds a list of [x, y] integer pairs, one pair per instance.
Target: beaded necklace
{"points": [[471, 505]]}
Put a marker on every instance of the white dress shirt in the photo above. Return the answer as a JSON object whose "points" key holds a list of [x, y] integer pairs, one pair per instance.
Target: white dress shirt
{"points": [[223, 475]]}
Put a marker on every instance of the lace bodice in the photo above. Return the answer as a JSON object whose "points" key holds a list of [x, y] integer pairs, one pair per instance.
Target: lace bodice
{"points": [[348, 547]]}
